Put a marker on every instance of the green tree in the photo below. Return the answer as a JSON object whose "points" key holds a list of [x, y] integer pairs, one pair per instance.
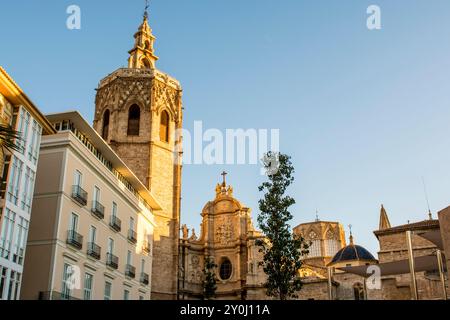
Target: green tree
{"points": [[281, 248], [210, 280]]}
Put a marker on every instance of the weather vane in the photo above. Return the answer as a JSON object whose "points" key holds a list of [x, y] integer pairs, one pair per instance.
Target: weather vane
{"points": [[146, 8]]}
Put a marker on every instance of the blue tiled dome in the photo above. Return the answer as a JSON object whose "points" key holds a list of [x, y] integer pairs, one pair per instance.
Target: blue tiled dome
{"points": [[352, 252]]}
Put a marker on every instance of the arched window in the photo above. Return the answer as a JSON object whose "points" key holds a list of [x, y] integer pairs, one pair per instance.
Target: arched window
{"points": [[147, 45], [105, 130], [164, 127], [134, 117], [146, 64], [358, 290], [225, 269]]}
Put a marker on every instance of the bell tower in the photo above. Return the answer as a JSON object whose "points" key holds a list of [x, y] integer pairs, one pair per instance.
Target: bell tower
{"points": [[137, 111]]}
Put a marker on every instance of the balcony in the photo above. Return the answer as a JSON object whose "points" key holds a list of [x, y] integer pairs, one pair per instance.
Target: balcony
{"points": [[53, 295], [79, 195], [144, 278], [132, 236], [112, 261], [146, 247], [130, 271], [94, 251], [98, 210], [115, 223], [75, 239]]}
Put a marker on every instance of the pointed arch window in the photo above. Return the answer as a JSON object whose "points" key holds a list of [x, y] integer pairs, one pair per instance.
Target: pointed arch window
{"points": [[134, 118], [105, 129], [164, 127], [146, 64]]}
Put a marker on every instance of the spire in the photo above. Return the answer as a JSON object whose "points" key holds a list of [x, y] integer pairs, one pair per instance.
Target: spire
{"points": [[384, 220], [142, 55], [351, 234]]}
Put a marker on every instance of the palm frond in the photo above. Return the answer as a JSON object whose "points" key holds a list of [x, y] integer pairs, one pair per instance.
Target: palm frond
{"points": [[8, 138]]}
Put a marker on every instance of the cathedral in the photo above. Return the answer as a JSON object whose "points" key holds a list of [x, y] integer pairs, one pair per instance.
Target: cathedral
{"points": [[137, 111]]}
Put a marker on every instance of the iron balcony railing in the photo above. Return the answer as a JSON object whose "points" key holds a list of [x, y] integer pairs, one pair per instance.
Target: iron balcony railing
{"points": [[53, 295], [115, 223], [94, 250], [98, 209], [132, 236], [112, 261], [75, 239], [146, 247], [79, 195], [144, 278], [130, 271]]}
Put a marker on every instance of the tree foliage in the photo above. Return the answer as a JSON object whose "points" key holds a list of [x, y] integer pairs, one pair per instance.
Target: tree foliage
{"points": [[210, 280], [282, 249]]}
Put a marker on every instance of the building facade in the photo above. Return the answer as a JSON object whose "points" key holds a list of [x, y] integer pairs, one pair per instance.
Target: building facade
{"points": [[326, 238], [138, 110], [92, 228], [18, 180], [227, 237], [393, 247]]}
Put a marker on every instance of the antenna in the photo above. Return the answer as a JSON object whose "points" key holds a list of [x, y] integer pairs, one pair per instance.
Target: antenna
{"points": [[426, 197], [317, 215]]}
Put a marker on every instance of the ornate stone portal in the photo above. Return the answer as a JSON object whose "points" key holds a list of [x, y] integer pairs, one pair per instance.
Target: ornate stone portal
{"points": [[228, 236], [137, 111]]}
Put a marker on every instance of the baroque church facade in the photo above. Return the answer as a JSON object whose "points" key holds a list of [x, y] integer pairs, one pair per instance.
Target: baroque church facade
{"points": [[137, 111]]}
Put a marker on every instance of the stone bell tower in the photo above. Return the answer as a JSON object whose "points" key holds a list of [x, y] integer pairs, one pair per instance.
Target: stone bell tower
{"points": [[137, 111]]}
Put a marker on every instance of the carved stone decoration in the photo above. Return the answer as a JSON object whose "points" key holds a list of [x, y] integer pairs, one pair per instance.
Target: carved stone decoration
{"points": [[224, 231], [330, 234]]}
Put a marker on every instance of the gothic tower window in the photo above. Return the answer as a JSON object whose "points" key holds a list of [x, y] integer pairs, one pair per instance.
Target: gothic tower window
{"points": [[134, 117], [225, 269], [164, 127], [105, 129], [145, 64]]}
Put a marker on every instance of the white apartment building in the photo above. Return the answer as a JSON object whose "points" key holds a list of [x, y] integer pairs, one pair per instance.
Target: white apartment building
{"points": [[91, 234], [18, 180]]}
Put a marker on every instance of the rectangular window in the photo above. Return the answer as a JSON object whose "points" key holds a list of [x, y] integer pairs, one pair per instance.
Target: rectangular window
{"points": [[92, 234], [7, 234], [73, 226], [88, 281], [114, 209], [131, 223], [20, 241], [78, 179], [22, 128], [126, 295], [129, 258], [14, 181], [96, 194], [3, 272], [143, 265], [33, 147], [108, 290], [110, 246], [28, 188], [66, 291]]}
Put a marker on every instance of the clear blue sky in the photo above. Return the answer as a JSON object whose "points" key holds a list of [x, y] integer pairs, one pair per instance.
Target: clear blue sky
{"points": [[364, 114]]}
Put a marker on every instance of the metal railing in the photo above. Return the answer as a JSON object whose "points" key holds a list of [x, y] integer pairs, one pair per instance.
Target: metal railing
{"points": [[79, 195], [94, 250], [75, 239], [130, 271], [98, 209], [54, 295], [146, 247], [132, 236], [112, 261], [144, 279], [115, 223]]}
